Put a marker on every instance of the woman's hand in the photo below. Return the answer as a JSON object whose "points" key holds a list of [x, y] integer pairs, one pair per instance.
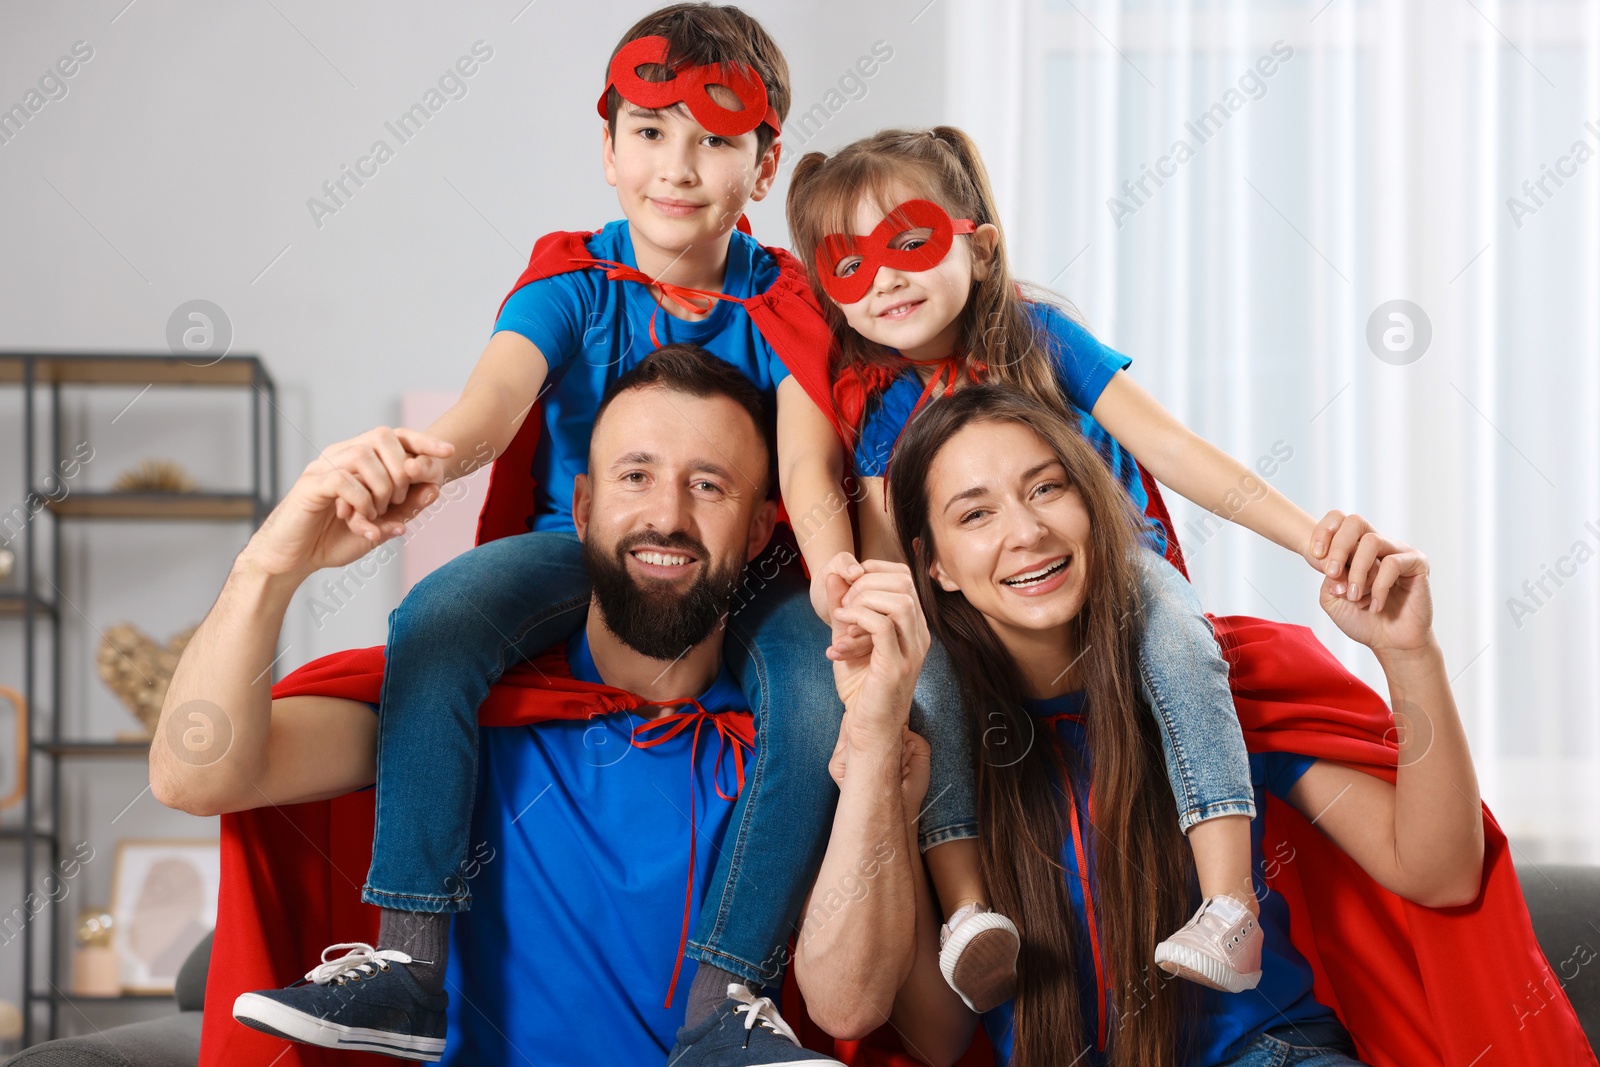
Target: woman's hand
{"points": [[916, 759], [1334, 540], [1395, 615]]}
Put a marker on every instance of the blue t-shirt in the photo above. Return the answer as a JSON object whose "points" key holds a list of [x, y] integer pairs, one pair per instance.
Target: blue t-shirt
{"points": [[583, 842], [1227, 1020], [1083, 368], [591, 331]]}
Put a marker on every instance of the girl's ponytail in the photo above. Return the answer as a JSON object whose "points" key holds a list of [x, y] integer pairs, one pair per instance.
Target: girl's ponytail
{"points": [[972, 170]]}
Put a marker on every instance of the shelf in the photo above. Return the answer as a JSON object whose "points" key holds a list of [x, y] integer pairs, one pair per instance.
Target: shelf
{"points": [[167, 506], [95, 749], [70, 998], [46, 385], [88, 369], [15, 602]]}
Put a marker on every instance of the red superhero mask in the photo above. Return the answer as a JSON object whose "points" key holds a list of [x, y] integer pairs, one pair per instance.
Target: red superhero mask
{"points": [[687, 86], [877, 250]]}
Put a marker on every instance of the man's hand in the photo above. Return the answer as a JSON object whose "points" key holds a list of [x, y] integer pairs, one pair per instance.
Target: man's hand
{"points": [[305, 532], [1396, 616], [381, 466], [876, 682]]}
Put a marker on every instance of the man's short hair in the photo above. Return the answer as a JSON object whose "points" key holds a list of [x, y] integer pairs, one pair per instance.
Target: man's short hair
{"points": [[690, 369], [699, 34]]}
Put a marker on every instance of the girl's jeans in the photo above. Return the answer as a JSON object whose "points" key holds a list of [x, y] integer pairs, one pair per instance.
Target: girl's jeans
{"points": [[465, 624], [1185, 681]]}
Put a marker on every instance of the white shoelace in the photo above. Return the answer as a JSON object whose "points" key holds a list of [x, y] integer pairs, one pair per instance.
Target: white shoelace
{"points": [[361, 958], [759, 1009]]}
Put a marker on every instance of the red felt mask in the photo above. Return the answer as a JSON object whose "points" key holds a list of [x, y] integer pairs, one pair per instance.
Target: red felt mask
{"points": [[877, 249], [687, 86]]}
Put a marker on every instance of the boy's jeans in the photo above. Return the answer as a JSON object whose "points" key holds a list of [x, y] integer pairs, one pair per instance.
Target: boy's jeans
{"points": [[463, 625]]}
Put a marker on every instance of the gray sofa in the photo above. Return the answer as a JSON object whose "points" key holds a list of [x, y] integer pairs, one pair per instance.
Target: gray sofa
{"points": [[1564, 903]]}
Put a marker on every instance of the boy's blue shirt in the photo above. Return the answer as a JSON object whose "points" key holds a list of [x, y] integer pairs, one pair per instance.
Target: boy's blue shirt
{"points": [[592, 330]]}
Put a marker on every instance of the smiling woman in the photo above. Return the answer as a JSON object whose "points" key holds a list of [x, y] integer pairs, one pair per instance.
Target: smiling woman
{"points": [[1022, 549]]}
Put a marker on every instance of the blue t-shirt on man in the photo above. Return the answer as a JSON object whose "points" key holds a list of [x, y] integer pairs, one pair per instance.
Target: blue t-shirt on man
{"points": [[1227, 1020], [1084, 367], [583, 844], [591, 331]]}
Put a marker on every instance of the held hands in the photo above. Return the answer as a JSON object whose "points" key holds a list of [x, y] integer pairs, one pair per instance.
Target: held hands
{"points": [[1395, 613], [916, 760], [329, 517], [846, 566], [1343, 548], [876, 672], [381, 466]]}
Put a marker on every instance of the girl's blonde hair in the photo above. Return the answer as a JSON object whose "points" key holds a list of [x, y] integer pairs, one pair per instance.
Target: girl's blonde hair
{"points": [[939, 164]]}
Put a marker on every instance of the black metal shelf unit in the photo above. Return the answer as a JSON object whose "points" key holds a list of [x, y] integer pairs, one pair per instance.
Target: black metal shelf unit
{"points": [[39, 611]]}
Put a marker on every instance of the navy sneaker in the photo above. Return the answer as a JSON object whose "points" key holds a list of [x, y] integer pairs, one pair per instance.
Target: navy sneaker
{"points": [[745, 1031], [359, 1001]]}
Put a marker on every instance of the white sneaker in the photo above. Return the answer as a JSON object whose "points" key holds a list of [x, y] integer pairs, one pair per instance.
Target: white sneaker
{"points": [[1219, 948], [978, 956]]}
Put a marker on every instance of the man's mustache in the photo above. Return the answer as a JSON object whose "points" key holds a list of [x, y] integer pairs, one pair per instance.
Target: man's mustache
{"points": [[653, 539]]}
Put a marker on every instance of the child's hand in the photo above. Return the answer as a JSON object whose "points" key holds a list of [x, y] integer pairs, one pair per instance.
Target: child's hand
{"points": [[379, 469], [845, 566], [1345, 549], [844, 569]]}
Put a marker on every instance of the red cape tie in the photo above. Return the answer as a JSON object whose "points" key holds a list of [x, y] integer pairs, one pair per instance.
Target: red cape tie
{"points": [[735, 730]]}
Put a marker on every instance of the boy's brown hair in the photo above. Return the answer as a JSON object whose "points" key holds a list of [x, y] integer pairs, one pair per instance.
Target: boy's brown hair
{"points": [[698, 34]]}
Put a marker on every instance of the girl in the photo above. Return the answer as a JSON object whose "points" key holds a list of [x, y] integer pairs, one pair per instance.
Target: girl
{"points": [[991, 480], [901, 236]]}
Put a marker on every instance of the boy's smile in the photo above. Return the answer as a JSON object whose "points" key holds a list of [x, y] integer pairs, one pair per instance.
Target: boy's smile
{"points": [[682, 190]]}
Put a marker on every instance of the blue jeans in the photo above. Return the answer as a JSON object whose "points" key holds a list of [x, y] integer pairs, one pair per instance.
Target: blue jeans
{"points": [[466, 623], [949, 811], [1318, 1044], [1185, 681]]}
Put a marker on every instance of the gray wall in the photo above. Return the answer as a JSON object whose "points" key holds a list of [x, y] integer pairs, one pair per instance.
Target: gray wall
{"points": [[178, 165]]}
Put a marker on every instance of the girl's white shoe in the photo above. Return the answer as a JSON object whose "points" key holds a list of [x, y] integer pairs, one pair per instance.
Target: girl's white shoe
{"points": [[1219, 948], [978, 956]]}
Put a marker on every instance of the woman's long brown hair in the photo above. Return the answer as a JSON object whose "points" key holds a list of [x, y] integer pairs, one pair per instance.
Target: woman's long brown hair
{"points": [[1142, 864], [941, 164]]}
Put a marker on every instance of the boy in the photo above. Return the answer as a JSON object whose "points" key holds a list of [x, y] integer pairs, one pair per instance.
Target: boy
{"points": [[693, 106]]}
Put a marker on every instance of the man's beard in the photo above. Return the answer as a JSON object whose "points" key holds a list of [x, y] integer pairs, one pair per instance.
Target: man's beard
{"points": [[658, 622]]}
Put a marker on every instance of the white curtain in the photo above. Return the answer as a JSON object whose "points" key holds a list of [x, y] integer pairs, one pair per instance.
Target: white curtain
{"points": [[1232, 191]]}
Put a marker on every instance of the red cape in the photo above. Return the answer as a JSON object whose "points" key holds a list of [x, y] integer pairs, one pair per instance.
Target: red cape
{"points": [[787, 315], [1407, 981]]}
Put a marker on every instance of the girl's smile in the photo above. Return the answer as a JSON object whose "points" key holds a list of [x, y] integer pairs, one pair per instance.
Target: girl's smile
{"points": [[917, 313]]}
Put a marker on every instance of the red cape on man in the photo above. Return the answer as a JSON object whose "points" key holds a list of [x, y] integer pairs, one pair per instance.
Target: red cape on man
{"points": [[1409, 982]]}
